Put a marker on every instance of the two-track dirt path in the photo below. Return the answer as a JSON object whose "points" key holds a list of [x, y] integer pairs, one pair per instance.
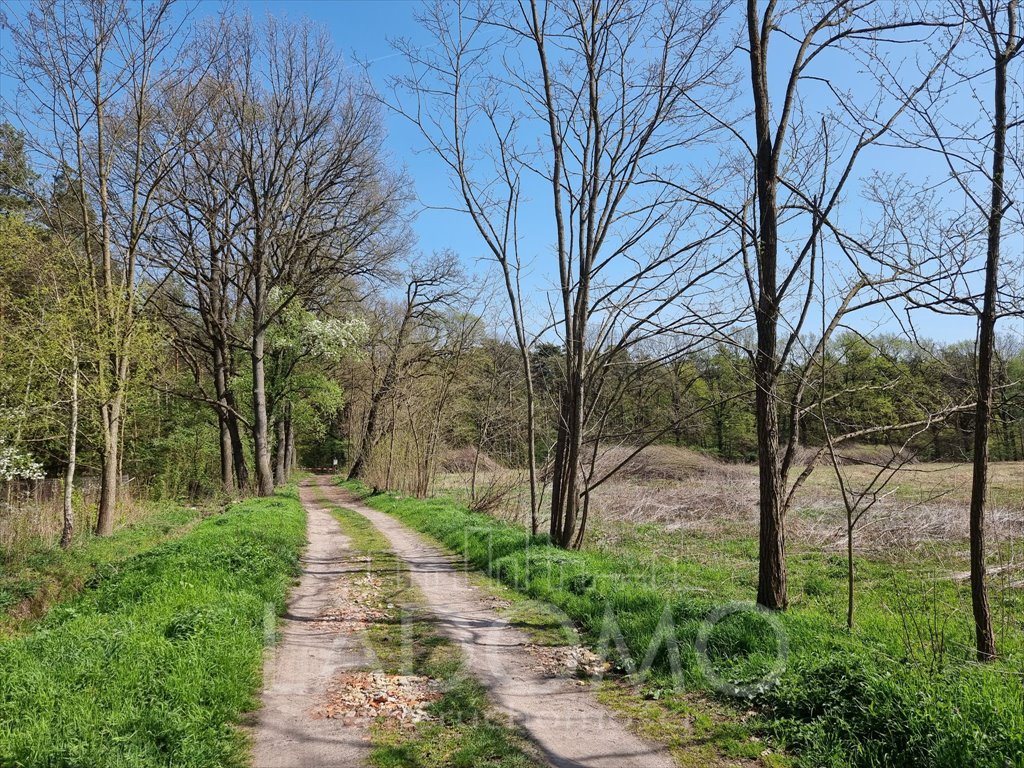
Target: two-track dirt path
{"points": [[312, 652], [568, 725]]}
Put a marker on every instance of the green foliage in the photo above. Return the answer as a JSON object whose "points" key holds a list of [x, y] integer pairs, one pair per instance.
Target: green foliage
{"points": [[864, 699], [155, 661], [181, 460], [38, 574], [16, 175]]}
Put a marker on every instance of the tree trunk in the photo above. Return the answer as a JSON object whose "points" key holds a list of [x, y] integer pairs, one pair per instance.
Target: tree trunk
{"points": [[565, 481], [290, 460], [849, 571], [69, 473], [239, 465], [281, 453], [227, 475], [771, 580], [111, 419], [260, 425], [984, 636], [771, 576], [531, 449], [369, 438]]}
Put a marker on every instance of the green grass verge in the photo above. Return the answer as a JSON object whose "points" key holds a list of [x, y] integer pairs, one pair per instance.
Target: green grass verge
{"points": [[36, 576], [463, 733], [864, 699], [155, 661]]}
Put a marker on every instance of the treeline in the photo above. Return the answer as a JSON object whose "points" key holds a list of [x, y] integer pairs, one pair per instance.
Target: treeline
{"points": [[184, 233], [468, 388]]}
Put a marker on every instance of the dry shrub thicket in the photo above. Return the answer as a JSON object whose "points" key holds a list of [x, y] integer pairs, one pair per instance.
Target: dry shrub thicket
{"points": [[31, 510]]}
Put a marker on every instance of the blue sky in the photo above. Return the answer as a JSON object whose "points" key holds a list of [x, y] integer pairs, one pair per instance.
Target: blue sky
{"points": [[363, 29]]}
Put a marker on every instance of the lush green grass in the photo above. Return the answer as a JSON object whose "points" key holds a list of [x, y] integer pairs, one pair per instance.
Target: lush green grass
{"points": [[156, 659], [900, 691], [35, 576], [463, 733]]}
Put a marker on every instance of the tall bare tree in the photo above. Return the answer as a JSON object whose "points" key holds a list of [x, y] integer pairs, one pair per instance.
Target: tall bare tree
{"points": [[976, 146], [192, 250], [319, 204], [803, 158], [588, 103], [1002, 25], [404, 341]]}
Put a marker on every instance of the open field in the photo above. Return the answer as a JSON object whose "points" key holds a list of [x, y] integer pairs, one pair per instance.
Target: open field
{"points": [[845, 697], [675, 488]]}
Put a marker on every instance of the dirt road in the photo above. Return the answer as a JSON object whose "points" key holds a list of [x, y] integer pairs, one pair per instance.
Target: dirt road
{"points": [[310, 653], [564, 720]]}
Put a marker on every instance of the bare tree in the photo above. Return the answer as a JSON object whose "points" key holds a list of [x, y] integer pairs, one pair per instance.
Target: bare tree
{"points": [[587, 103], [802, 160], [973, 144], [319, 205], [1002, 24], [192, 250], [404, 341], [859, 501]]}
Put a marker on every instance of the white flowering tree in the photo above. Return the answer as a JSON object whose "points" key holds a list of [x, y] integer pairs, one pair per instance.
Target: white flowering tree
{"points": [[304, 350], [16, 464]]}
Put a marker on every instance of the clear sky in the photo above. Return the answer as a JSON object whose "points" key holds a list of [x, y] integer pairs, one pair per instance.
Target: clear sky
{"points": [[363, 29]]}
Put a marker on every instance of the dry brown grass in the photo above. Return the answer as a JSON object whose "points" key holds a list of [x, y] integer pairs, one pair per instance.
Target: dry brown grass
{"points": [[655, 462], [465, 458], [683, 490], [32, 512]]}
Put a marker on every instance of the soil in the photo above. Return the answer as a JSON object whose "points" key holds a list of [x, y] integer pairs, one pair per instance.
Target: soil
{"points": [[313, 653]]}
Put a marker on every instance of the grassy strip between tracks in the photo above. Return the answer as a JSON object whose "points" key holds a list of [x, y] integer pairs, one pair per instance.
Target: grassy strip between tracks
{"points": [[839, 700], [156, 660], [462, 731]]}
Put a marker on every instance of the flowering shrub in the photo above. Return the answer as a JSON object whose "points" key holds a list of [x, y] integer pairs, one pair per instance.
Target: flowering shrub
{"points": [[15, 465]]}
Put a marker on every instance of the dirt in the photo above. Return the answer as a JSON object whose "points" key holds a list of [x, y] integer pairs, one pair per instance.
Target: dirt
{"points": [[563, 718], [313, 654]]}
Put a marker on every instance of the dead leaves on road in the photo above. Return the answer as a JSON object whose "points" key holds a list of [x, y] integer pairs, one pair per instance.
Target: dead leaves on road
{"points": [[356, 603], [363, 696], [568, 661]]}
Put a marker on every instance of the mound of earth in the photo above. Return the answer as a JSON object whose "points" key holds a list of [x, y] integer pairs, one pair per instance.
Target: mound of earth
{"points": [[859, 453], [655, 462], [462, 460]]}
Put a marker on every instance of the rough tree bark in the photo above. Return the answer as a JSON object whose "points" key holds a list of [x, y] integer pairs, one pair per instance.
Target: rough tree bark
{"points": [[260, 420]]}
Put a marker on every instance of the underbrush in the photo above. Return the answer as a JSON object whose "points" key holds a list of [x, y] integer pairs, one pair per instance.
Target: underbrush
{"points": [[901, 691], [154, 662]]}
